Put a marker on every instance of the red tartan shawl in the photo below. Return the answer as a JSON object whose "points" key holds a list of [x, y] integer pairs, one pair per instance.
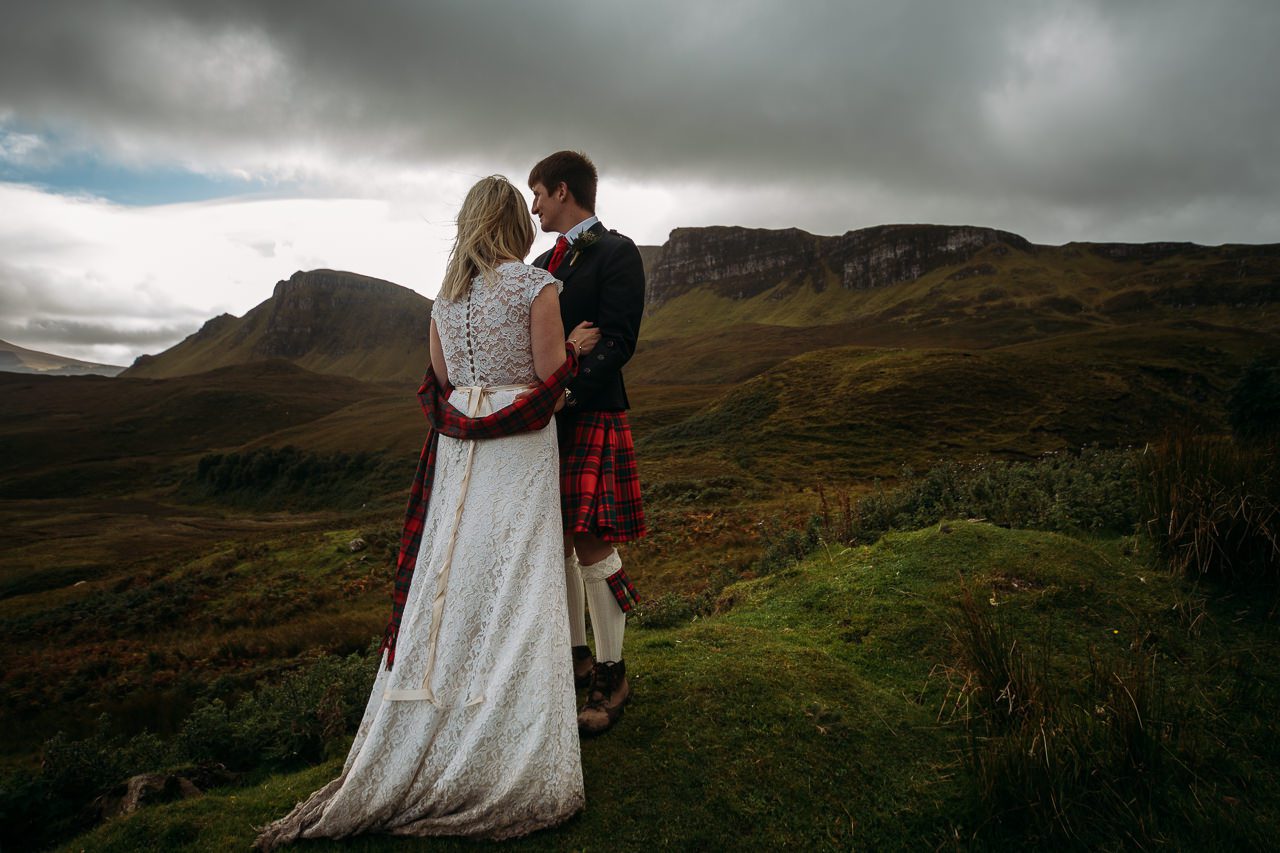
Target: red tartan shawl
{"points": [[523, 415]]}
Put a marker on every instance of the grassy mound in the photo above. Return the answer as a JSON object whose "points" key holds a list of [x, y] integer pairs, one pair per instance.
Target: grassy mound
{"points": [[836, 704]]}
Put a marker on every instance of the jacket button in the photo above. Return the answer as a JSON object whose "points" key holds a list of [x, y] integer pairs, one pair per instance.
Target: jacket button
{"points": [[600, 357], [608, 343], [586, 370]]}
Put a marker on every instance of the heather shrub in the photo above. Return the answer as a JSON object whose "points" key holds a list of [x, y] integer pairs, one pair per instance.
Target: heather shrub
{"points": [[298, 718], [1094, 490]]}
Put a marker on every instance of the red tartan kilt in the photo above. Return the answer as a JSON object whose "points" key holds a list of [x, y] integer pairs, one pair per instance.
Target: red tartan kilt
{"points": [[599, 485]]}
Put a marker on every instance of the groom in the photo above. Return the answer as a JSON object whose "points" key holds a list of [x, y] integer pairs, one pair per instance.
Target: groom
{"points": [[599, 489]]}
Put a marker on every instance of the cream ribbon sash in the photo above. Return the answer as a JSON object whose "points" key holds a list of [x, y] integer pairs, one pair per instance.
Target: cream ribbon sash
{"points": [[477, 393]]}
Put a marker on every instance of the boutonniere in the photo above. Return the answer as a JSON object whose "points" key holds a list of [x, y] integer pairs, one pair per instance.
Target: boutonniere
{"points": [[581, 243]]}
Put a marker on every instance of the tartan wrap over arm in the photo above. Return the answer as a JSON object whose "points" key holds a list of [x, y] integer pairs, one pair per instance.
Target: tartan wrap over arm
{"points": [[523, 415]]}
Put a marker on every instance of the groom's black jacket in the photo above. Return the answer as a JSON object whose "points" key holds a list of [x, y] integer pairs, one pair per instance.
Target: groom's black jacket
{"points": [[606, 286]]}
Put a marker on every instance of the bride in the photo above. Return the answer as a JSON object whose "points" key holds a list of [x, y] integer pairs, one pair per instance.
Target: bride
{"points": [[471, 726]]}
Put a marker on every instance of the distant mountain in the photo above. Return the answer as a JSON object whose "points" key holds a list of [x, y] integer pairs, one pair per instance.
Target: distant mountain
{"points": [[16, 359], [745, 298], [917, 278], [325, 321]]}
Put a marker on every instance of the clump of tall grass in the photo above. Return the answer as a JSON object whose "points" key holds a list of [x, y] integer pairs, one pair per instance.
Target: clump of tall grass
{"points": [[1055, 765], [1213, 507]]}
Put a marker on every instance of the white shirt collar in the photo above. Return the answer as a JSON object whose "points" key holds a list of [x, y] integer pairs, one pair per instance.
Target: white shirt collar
{"points": [[573, 232]]}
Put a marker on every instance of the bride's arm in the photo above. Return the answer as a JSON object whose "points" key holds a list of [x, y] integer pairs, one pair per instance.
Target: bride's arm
{"points": [[546, 333], [438, 366]]}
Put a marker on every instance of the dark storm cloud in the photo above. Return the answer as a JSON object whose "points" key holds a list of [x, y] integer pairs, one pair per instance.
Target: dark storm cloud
{"points": [[82, 333], [1137, 111], [29, 297], [46, 312]]}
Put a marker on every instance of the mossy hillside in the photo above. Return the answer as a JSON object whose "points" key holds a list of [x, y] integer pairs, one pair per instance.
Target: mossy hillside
{"points": [[860, 412], [817, 710]]}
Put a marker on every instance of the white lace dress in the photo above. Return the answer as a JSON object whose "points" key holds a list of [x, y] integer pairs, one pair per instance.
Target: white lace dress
{"points": [[494, 752]]}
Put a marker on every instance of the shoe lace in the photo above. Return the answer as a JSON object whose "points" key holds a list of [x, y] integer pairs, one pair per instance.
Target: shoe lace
{"points": [[601, 687]]}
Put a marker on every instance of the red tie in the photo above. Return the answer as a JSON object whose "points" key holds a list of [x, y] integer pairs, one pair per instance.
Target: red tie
{"points": [[557, 255]]}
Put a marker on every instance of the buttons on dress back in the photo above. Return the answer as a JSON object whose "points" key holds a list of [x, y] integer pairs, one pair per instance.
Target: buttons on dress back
{"points": [[471, 355]]}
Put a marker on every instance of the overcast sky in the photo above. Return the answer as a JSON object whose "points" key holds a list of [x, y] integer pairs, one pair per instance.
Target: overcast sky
{"points": [[163, 162]]}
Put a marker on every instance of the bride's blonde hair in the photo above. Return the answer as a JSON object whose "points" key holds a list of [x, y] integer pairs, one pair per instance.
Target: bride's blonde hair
{"points": [[492, 224]]}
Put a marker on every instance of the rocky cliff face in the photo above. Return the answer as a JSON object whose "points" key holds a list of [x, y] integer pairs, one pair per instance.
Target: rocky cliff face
{"points": [[743, 262], [885, 255], [324, 320], [737, 262], [334, 313]]}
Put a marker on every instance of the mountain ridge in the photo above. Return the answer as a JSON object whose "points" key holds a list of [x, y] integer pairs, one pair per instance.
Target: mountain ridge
{"points": [[885, 285], [922, 276], [327, 321], [869, 257]]}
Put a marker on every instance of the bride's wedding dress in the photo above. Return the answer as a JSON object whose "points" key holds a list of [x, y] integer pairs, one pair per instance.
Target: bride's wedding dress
{"points": [[486, 743]]}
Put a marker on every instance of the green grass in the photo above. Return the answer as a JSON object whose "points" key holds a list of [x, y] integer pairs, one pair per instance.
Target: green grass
{"points": [[815, 711]]}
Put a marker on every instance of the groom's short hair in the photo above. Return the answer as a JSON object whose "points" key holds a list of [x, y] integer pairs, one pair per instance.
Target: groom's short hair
{"points": [[573, 168]]}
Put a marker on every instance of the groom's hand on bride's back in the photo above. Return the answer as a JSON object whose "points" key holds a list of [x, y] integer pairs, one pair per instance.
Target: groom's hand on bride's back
{"points": [[534, 387], [585, 336]]}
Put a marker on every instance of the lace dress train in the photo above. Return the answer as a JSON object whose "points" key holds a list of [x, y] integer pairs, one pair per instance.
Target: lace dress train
{"points": [[494, 752]]}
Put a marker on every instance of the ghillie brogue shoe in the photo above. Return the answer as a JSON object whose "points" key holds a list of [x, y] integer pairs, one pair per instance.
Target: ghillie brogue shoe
{"points": [[607, 694]]}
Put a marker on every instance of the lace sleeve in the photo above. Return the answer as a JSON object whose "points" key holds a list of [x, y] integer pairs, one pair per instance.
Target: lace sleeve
{"points": [[538, 279]]}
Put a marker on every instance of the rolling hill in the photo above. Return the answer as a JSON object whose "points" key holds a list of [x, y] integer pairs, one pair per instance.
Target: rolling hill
{"points": [[857, 412], [68, 435]]}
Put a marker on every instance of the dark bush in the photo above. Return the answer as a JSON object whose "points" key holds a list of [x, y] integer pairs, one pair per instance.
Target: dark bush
{"points": [[39, 808], [286, 723], [299, 718], [287, 476], [1253, 407], [784, 547], [1094, 490]]}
